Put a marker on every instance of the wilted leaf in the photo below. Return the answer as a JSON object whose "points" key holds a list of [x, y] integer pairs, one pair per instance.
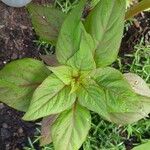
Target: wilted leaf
{"points": [[51, 97], [46, 129], [18, 81], [105, 23], [47, 21], [71, 128], [138, 84], [50, 60]]}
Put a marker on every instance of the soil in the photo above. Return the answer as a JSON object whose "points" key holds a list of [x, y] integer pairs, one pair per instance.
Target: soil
{"points": [[17, 41]]}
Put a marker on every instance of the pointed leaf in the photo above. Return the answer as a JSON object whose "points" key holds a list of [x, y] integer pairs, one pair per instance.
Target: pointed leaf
{"points": [[105, 23], [64, 73], [70, 34], [123, 105], [51, 97], [47, 22], [19, 79], [71, 128], [83, 58], [138, 84]]}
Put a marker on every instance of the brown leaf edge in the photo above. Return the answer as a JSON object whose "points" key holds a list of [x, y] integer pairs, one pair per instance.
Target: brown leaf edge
{"points": [[47, 123]]}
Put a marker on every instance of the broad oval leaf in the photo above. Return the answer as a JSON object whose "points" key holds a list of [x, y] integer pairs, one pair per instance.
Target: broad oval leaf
{"points": [[123, 105], [18, 81], [47, 21], [105, 23], [70, 34], [71, 128], [138, 84], [51, 97]]}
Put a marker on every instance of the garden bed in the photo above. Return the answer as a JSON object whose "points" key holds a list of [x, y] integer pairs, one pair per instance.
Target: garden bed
{"points": [[17, 40]]}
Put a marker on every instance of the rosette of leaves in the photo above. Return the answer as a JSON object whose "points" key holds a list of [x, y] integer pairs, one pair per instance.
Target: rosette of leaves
{"points": [[82, 82]]}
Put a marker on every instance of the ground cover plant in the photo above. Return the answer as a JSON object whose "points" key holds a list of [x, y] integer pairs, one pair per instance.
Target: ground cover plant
{"points": [[82, 81]]}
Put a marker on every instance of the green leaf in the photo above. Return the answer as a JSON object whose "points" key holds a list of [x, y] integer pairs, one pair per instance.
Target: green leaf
{"points": [[64, 73], [70, 34], [145, 146], [19, 79], [92, 96], [71, 128], [83, 58], [51, 97], [47, 22], [105, 23], [123, 105]]}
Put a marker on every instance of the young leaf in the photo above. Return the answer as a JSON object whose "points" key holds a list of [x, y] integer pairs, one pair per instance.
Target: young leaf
{"points": [[70, 34], [71, 128], [64, 73], [83, 58], [47, 22], [46, 129], [92, 96], [51, 97], [105, 23], [19, 79], [138, 84], [145, 146]]}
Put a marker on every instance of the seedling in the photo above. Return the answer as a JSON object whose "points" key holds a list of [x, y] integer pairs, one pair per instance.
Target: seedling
{"points": [[81, 81]]}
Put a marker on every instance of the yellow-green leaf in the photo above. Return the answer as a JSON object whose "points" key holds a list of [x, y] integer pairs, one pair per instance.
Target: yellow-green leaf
{"points": [[105, 23], [71, 128], [51, 97]]}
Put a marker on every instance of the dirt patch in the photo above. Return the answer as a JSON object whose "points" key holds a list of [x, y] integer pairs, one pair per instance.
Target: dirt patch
{"points": [[13, 131], [16, 41]]}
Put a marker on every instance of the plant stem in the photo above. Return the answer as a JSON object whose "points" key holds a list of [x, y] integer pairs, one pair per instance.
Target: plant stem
{"points": [[143, 5]]}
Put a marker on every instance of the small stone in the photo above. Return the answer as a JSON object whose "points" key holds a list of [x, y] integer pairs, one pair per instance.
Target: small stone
{"points": [[5, 134], [4, 125], [20, 130], [1, 105]]}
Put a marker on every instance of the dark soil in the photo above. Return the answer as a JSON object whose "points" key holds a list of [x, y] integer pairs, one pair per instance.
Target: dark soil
{"points": [[16, 42], [13, 131]]}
